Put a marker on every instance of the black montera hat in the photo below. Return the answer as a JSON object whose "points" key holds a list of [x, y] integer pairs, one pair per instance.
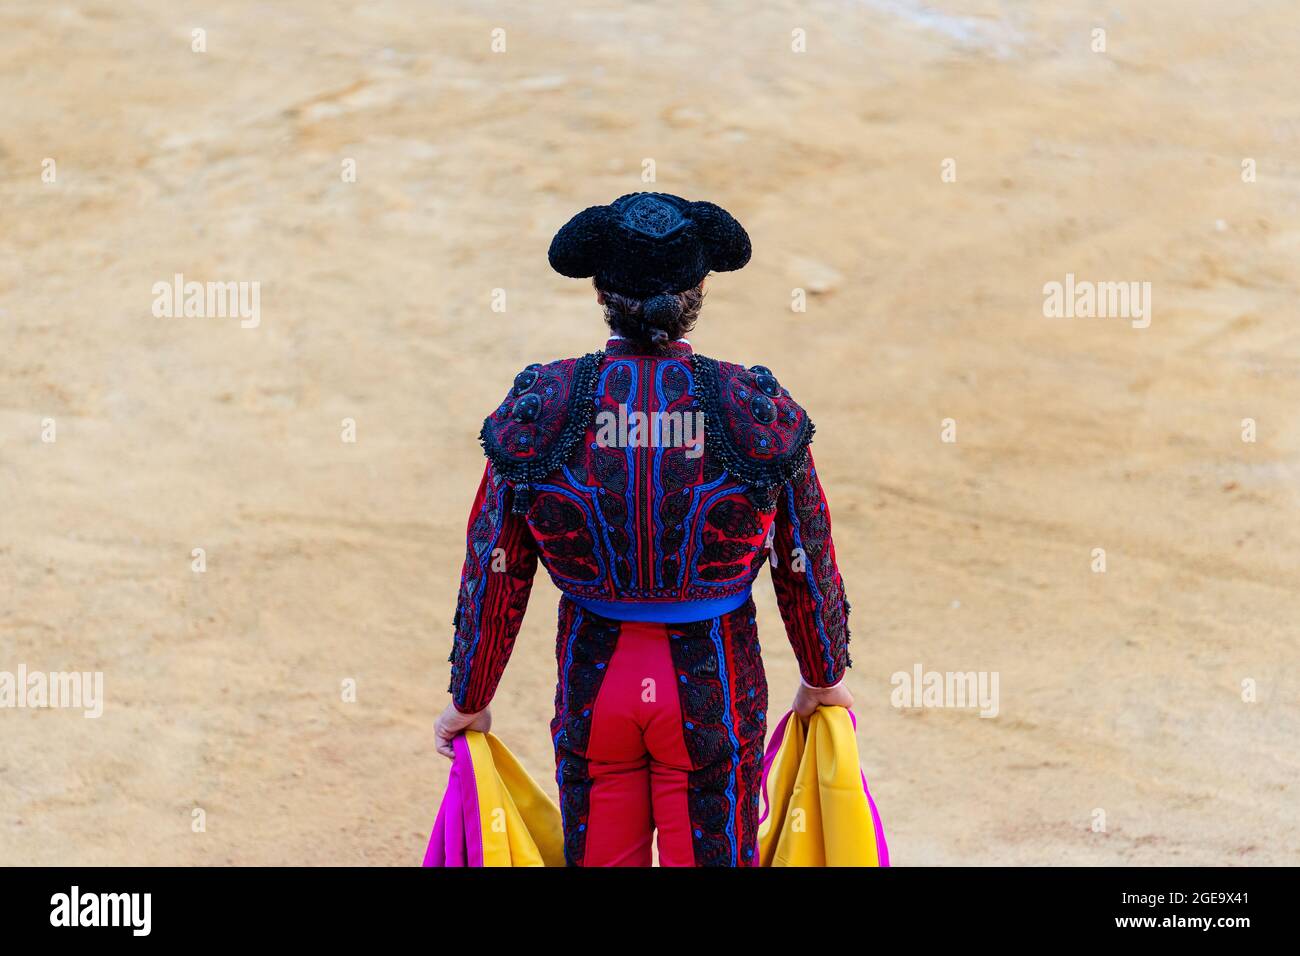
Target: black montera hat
{"points": [[645, 244]]}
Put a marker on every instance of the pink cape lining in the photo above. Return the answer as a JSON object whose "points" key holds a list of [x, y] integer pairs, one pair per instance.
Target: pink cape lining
{"points": [[457, 838]]}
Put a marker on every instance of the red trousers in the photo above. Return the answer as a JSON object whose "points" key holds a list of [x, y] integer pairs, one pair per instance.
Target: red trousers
{"points": [[659, 729]]}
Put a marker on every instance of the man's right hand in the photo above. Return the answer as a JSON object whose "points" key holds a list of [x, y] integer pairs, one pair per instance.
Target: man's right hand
{"points": [[809, 699]]}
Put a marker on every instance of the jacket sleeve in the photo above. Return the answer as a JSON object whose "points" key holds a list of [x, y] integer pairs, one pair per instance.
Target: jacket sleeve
{"points": [[809, 590], [500, 561]]}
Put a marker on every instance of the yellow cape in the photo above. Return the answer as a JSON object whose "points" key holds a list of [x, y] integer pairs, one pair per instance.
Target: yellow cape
{"points": [[520, 824], [819, 812], [493, 813]]}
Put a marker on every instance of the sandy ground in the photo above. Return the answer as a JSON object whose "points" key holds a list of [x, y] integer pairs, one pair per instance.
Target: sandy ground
{"points": [[329, 561]]}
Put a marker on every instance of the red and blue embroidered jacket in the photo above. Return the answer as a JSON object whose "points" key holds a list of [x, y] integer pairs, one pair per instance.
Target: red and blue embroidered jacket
{"points": [[651, 487]]}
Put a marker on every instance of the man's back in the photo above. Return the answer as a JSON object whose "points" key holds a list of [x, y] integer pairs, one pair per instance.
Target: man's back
{"points": [[649, 478], [635, 528]]}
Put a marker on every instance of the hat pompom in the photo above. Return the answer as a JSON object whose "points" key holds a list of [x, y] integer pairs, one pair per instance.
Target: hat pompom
{"points": [[725, 239], [577, 249]]}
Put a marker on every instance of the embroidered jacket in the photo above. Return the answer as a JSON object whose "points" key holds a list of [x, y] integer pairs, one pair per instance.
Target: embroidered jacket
{"points": [[650, 487]]}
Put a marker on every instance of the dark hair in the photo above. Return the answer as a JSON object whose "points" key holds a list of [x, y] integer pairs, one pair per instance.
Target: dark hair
{"points": [[654, 321]]}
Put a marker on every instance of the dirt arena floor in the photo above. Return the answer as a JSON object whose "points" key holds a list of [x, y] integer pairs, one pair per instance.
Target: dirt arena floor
{"points": [[1147, 714]]}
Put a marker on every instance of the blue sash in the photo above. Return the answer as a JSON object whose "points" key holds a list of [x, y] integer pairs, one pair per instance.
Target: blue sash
{"points": [[663, 612]]}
